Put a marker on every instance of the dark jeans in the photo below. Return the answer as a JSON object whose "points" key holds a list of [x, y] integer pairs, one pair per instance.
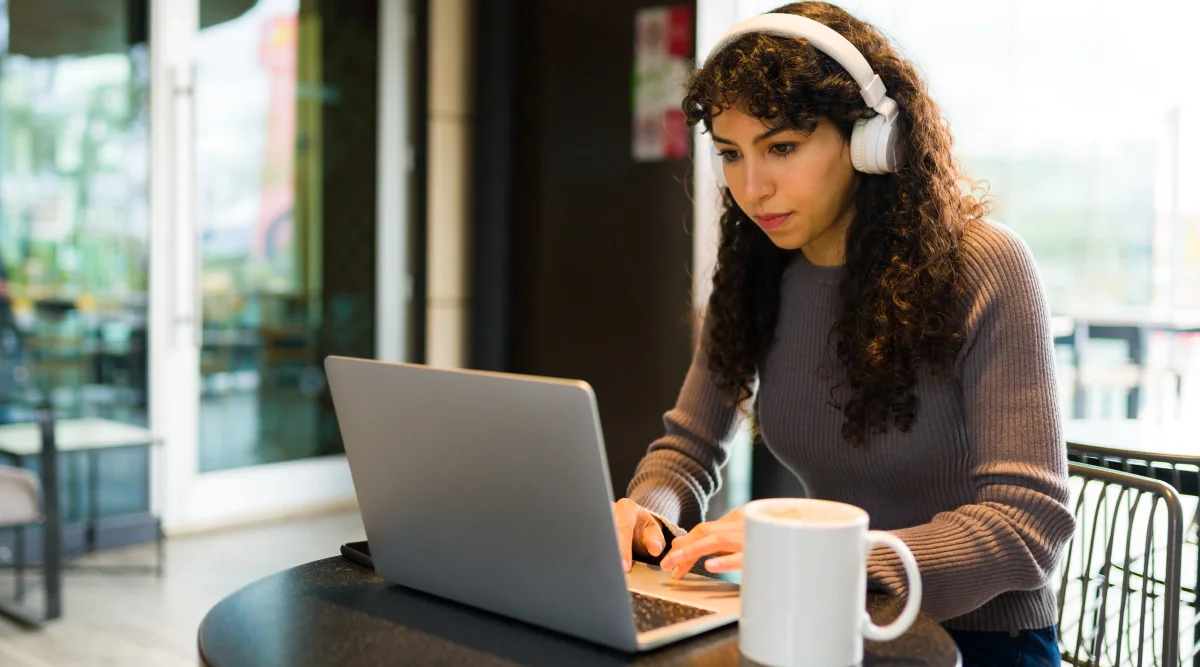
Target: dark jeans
{"points": [[1030, 648]]}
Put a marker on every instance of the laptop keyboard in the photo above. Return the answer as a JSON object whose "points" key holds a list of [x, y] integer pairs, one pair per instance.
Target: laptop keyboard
{"points": [[651, 613]]}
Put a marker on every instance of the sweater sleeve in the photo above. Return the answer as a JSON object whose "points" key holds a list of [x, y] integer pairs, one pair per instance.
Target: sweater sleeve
{"points": [[682, 469], [1012, 535]]}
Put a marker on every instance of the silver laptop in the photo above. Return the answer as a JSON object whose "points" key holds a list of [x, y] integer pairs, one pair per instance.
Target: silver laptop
{"points": [[492, 490]]}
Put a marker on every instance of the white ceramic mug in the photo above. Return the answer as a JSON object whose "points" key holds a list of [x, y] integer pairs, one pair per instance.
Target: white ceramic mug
{"points": [[804, 584]]}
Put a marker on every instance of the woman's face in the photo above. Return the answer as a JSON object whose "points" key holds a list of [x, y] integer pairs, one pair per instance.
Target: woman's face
{"points": [[798, 187]]}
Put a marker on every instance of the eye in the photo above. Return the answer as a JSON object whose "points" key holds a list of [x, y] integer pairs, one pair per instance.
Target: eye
{"points": [[729, 155], [783, 149]]}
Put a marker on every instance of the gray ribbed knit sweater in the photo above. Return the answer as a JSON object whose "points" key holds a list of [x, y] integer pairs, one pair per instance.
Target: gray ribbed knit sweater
{"points": [[977, 487]]}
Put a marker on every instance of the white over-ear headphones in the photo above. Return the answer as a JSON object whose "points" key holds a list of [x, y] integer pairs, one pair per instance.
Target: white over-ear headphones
{"points": [[874, 143]]}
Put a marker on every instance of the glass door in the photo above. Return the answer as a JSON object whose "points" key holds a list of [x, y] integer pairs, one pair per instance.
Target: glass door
{"points": [[260, 206], [272, 224], [74, 234]]}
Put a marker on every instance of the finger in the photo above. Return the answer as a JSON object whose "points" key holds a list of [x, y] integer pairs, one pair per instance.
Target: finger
{"points": [[685, 545], [730, 563], [625, 515], [682, 560], [692, 535], [652, 538]]}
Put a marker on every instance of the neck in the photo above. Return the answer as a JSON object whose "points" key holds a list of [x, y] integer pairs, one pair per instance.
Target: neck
{"points": [[835, 257], [829, 249]]}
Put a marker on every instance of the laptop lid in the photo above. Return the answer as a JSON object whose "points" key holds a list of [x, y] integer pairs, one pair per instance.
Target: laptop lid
{"points": [[488, 489]]}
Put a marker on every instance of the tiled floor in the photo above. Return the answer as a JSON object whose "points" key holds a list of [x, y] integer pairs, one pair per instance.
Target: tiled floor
{"points": [[135, 620]]}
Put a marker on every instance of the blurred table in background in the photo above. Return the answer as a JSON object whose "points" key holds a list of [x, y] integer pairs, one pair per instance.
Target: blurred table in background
{"points": [[1076, 328], [86, 438]]}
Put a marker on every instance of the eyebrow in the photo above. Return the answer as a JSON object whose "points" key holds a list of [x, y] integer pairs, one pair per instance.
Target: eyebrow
{"points": [[765, 135]]}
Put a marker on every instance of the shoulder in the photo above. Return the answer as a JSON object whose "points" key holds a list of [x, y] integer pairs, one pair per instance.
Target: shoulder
{"points": [[1002, 286], [992, 252]]}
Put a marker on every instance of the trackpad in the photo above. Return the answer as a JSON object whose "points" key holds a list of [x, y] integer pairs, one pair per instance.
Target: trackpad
{"points": [[691, 588]]}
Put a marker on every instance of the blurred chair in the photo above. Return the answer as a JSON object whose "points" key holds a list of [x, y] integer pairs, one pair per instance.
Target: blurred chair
{"points": [[24, 501], [19, 508], [1182, 473], [1119, 593]]}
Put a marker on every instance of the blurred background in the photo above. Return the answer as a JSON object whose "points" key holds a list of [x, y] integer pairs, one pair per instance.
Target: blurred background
{"points": [[201, 199]]}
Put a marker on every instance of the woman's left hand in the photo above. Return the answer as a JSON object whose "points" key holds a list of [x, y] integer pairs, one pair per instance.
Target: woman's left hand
{"points": [[723, 537]]}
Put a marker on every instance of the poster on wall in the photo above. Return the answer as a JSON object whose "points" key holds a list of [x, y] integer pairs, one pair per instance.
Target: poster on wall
{"points": [[662, 52]]}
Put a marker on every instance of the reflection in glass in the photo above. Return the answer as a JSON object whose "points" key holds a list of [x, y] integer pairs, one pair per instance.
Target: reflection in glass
{"points": [[74, 209], [73, 213], [268, 83]]}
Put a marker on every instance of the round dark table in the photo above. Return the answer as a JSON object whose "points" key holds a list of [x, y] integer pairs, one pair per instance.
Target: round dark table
{"points": [[334, 612]]}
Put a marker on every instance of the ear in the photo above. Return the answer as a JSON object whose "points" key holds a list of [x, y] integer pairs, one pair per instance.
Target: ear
{"points": [[845, 155]]}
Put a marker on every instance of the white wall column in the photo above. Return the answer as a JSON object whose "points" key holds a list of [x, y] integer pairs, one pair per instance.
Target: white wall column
{"points": [[449, 187]]}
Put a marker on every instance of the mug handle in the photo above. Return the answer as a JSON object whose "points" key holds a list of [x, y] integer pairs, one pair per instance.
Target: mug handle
{"points": [[903, 622]]}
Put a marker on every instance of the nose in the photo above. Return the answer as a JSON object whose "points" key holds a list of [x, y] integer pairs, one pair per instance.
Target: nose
{"points": [[757, 183]]}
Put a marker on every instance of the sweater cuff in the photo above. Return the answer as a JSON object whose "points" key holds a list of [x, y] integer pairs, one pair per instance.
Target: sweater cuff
{"points": [[660, 500], [662, 503], [669, 527]]}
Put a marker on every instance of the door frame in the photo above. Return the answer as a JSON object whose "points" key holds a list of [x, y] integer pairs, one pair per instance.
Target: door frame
{"points": [[186, 499]]}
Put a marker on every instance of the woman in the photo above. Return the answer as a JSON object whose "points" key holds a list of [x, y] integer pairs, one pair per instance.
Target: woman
{"points": [[895, 342]]}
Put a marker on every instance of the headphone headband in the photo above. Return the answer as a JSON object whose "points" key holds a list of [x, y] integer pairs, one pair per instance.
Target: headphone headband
{"points": [[826, 40]]}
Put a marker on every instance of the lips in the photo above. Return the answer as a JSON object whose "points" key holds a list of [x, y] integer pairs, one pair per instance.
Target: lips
{"points": [[771, 221]]}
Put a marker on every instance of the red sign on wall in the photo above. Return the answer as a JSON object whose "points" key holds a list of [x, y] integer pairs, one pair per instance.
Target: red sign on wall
{"points": [[663, 47]]}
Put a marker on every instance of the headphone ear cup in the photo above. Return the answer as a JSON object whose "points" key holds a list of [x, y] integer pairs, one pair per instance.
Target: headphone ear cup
{"points": [[718, 167], [892, 149], [873, 146], [858, 151]]}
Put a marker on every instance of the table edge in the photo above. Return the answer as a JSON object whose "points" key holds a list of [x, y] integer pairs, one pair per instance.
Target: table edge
{"points": [[205, 662]]}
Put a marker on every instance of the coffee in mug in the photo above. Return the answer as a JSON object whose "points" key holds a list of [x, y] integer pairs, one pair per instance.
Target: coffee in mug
{"points": [[804, 584]]}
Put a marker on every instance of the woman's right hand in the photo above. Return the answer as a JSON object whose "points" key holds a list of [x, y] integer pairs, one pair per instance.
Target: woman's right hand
{"points": [[637, 532]]}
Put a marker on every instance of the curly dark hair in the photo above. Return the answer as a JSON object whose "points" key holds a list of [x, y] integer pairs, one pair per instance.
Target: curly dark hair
{"points": [[899, 306]]}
